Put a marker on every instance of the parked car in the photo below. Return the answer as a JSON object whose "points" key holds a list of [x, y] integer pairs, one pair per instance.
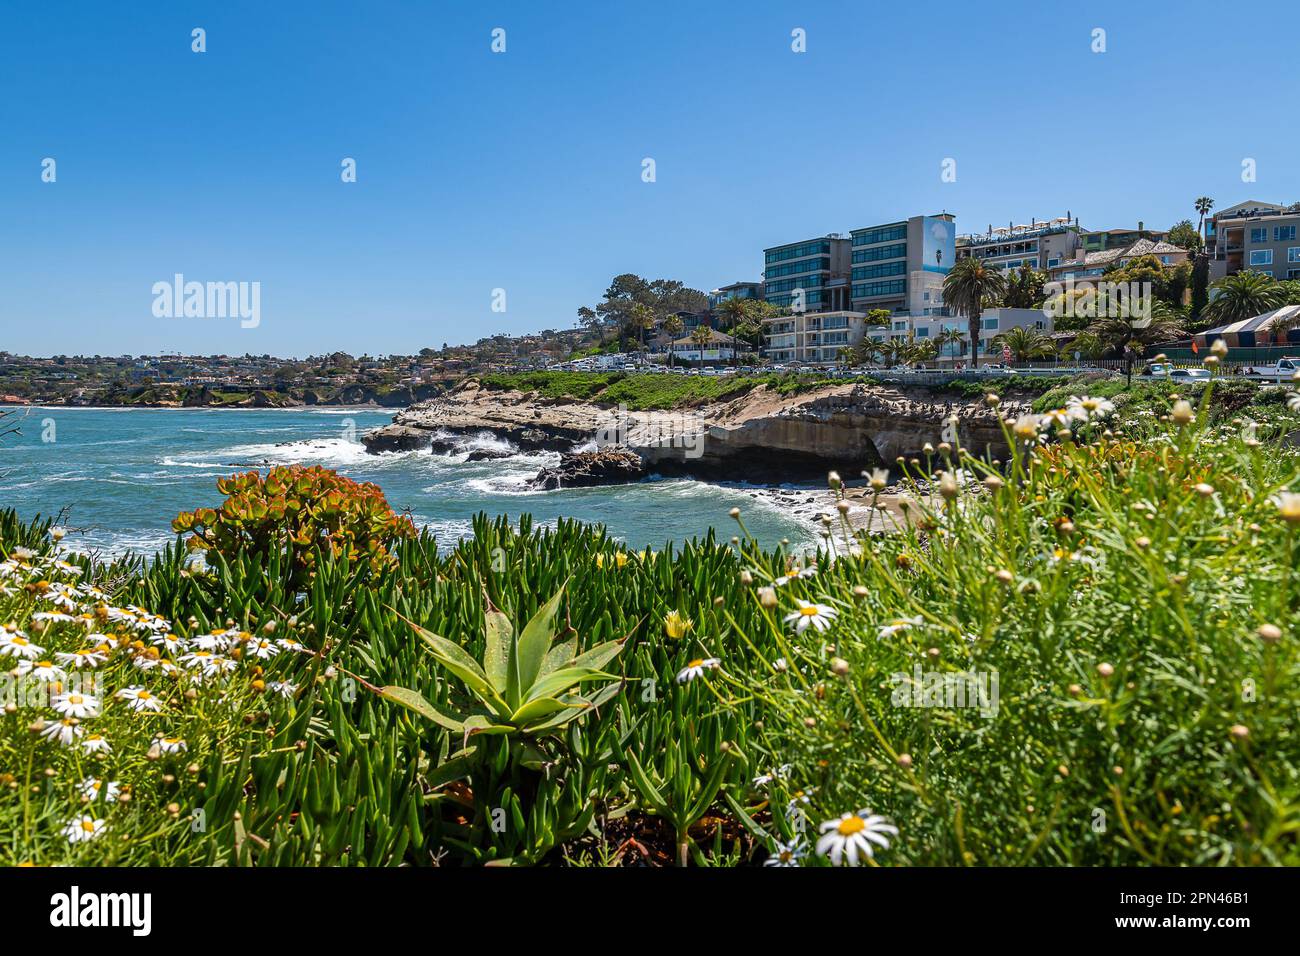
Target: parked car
{"points": [[1282, 371]]}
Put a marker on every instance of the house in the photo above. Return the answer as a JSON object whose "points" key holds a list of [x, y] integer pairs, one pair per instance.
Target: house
{"points": [[720, 348]]}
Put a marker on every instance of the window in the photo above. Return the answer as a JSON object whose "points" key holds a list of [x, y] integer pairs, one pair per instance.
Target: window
{"points": [[870, 289], [1293, 273], [798, 252], [869, 237], [923, 333], [1293, 254], [898, 251], [1259, 235], [1261, 257], [795, 268], [900, 326], [1284, 233], [881, 269], [991, 325], [1053, 263]]}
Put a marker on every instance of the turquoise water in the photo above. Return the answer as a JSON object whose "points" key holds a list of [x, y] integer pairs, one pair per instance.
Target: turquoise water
{"points": [[124, 474]]}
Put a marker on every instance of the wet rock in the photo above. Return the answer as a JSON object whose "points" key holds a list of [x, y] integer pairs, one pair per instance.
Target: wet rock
{"points": [[609, 466]]}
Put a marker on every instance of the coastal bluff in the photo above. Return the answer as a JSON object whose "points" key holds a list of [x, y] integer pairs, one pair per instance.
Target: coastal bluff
{"points": [[760, 436]]}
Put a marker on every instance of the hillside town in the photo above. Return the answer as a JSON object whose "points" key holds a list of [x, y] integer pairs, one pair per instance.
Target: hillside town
{"points": [[890, 295]]}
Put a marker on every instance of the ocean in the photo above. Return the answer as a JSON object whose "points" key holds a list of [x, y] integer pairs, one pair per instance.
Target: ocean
{"points": [[123, 474]]}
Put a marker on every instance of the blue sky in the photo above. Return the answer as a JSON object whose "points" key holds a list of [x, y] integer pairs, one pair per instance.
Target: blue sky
{"points": [[522, 171]]}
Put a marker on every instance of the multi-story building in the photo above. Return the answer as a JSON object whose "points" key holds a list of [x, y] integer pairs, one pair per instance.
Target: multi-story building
{"points": [[1104, 239], [813, 337], [1093, 265], [808, 276], [1042, 245], [993, 322], [900, 266], [737, 290], [1263, 237]]}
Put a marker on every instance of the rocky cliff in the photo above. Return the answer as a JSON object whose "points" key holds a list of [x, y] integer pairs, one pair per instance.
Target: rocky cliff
{"points": [[760, 437]]}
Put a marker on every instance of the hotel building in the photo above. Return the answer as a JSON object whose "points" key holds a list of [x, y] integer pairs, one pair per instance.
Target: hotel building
{"points": [[1043, 245], [1259, 236], [900, 266], [808, 276]]}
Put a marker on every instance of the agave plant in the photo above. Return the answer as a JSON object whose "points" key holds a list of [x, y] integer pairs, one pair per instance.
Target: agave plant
{"points": [[524, 684]]}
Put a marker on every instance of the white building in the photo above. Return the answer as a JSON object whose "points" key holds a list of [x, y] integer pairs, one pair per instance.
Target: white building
{"points": [[720, 348], [814, 337]]}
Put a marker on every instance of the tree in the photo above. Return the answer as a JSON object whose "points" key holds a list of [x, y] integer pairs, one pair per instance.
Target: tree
{"points": [[1200, 288], [1128, 334], [641, 319], [878, 316], [1203, 206], [1025, 288], [734, 311], [967, 288], [1026, 343], [673, 325], [1186, 236], [953, 337], [701, 336], [1244, 296]]}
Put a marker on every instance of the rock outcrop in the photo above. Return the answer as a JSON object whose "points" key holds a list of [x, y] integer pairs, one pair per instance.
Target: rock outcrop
{"points": [[760, 437], [608, 466]]}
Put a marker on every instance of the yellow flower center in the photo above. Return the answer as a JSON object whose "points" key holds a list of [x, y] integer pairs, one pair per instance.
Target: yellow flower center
{"points": [[810, 611], [74, 699], [850, 826], [698, 662], [143, 695]]}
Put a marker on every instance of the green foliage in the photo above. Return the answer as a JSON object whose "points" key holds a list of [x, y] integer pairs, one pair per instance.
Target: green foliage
{"points": [[297, 512]]}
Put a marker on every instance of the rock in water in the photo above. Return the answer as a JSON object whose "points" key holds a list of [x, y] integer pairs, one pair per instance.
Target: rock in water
{"points": [[609, 466]]}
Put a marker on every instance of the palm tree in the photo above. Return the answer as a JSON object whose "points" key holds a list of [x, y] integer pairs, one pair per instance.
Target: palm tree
{"points": [[923, 351], [967, 287], [1128, 334], [951, 337], [701, 336], [893, 351], [1026, 343], [642, 319], [673, 325], [1244, 296], [1203, 206], [734, 310]]}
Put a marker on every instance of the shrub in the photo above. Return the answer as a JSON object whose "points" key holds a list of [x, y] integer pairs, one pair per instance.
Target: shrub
{"points": [[295, 511]]}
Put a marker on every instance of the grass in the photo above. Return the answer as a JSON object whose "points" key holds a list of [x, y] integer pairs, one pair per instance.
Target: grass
{"points": [[650, 392], [1124, 593]]}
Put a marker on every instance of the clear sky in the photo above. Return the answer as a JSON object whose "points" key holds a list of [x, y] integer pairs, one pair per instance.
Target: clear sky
{"points": [[522, 170]]}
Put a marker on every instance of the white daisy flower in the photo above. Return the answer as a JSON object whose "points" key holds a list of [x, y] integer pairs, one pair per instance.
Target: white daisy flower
{"points": [[898, 626], [96, 744], [169, 641], [796, 574], [849, 839], [53, 617], [206, 662], [696, 668], [16, 644], [171, 745], [87, 657], [262, 648], [73, 704], [282, 687], [139, 699], [1293, 401], [83, 829], [216, 641], [100, 789], [289, 644], [1087, 408], [65, 731], [786, 854], [41, 670], [820, 616]]}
